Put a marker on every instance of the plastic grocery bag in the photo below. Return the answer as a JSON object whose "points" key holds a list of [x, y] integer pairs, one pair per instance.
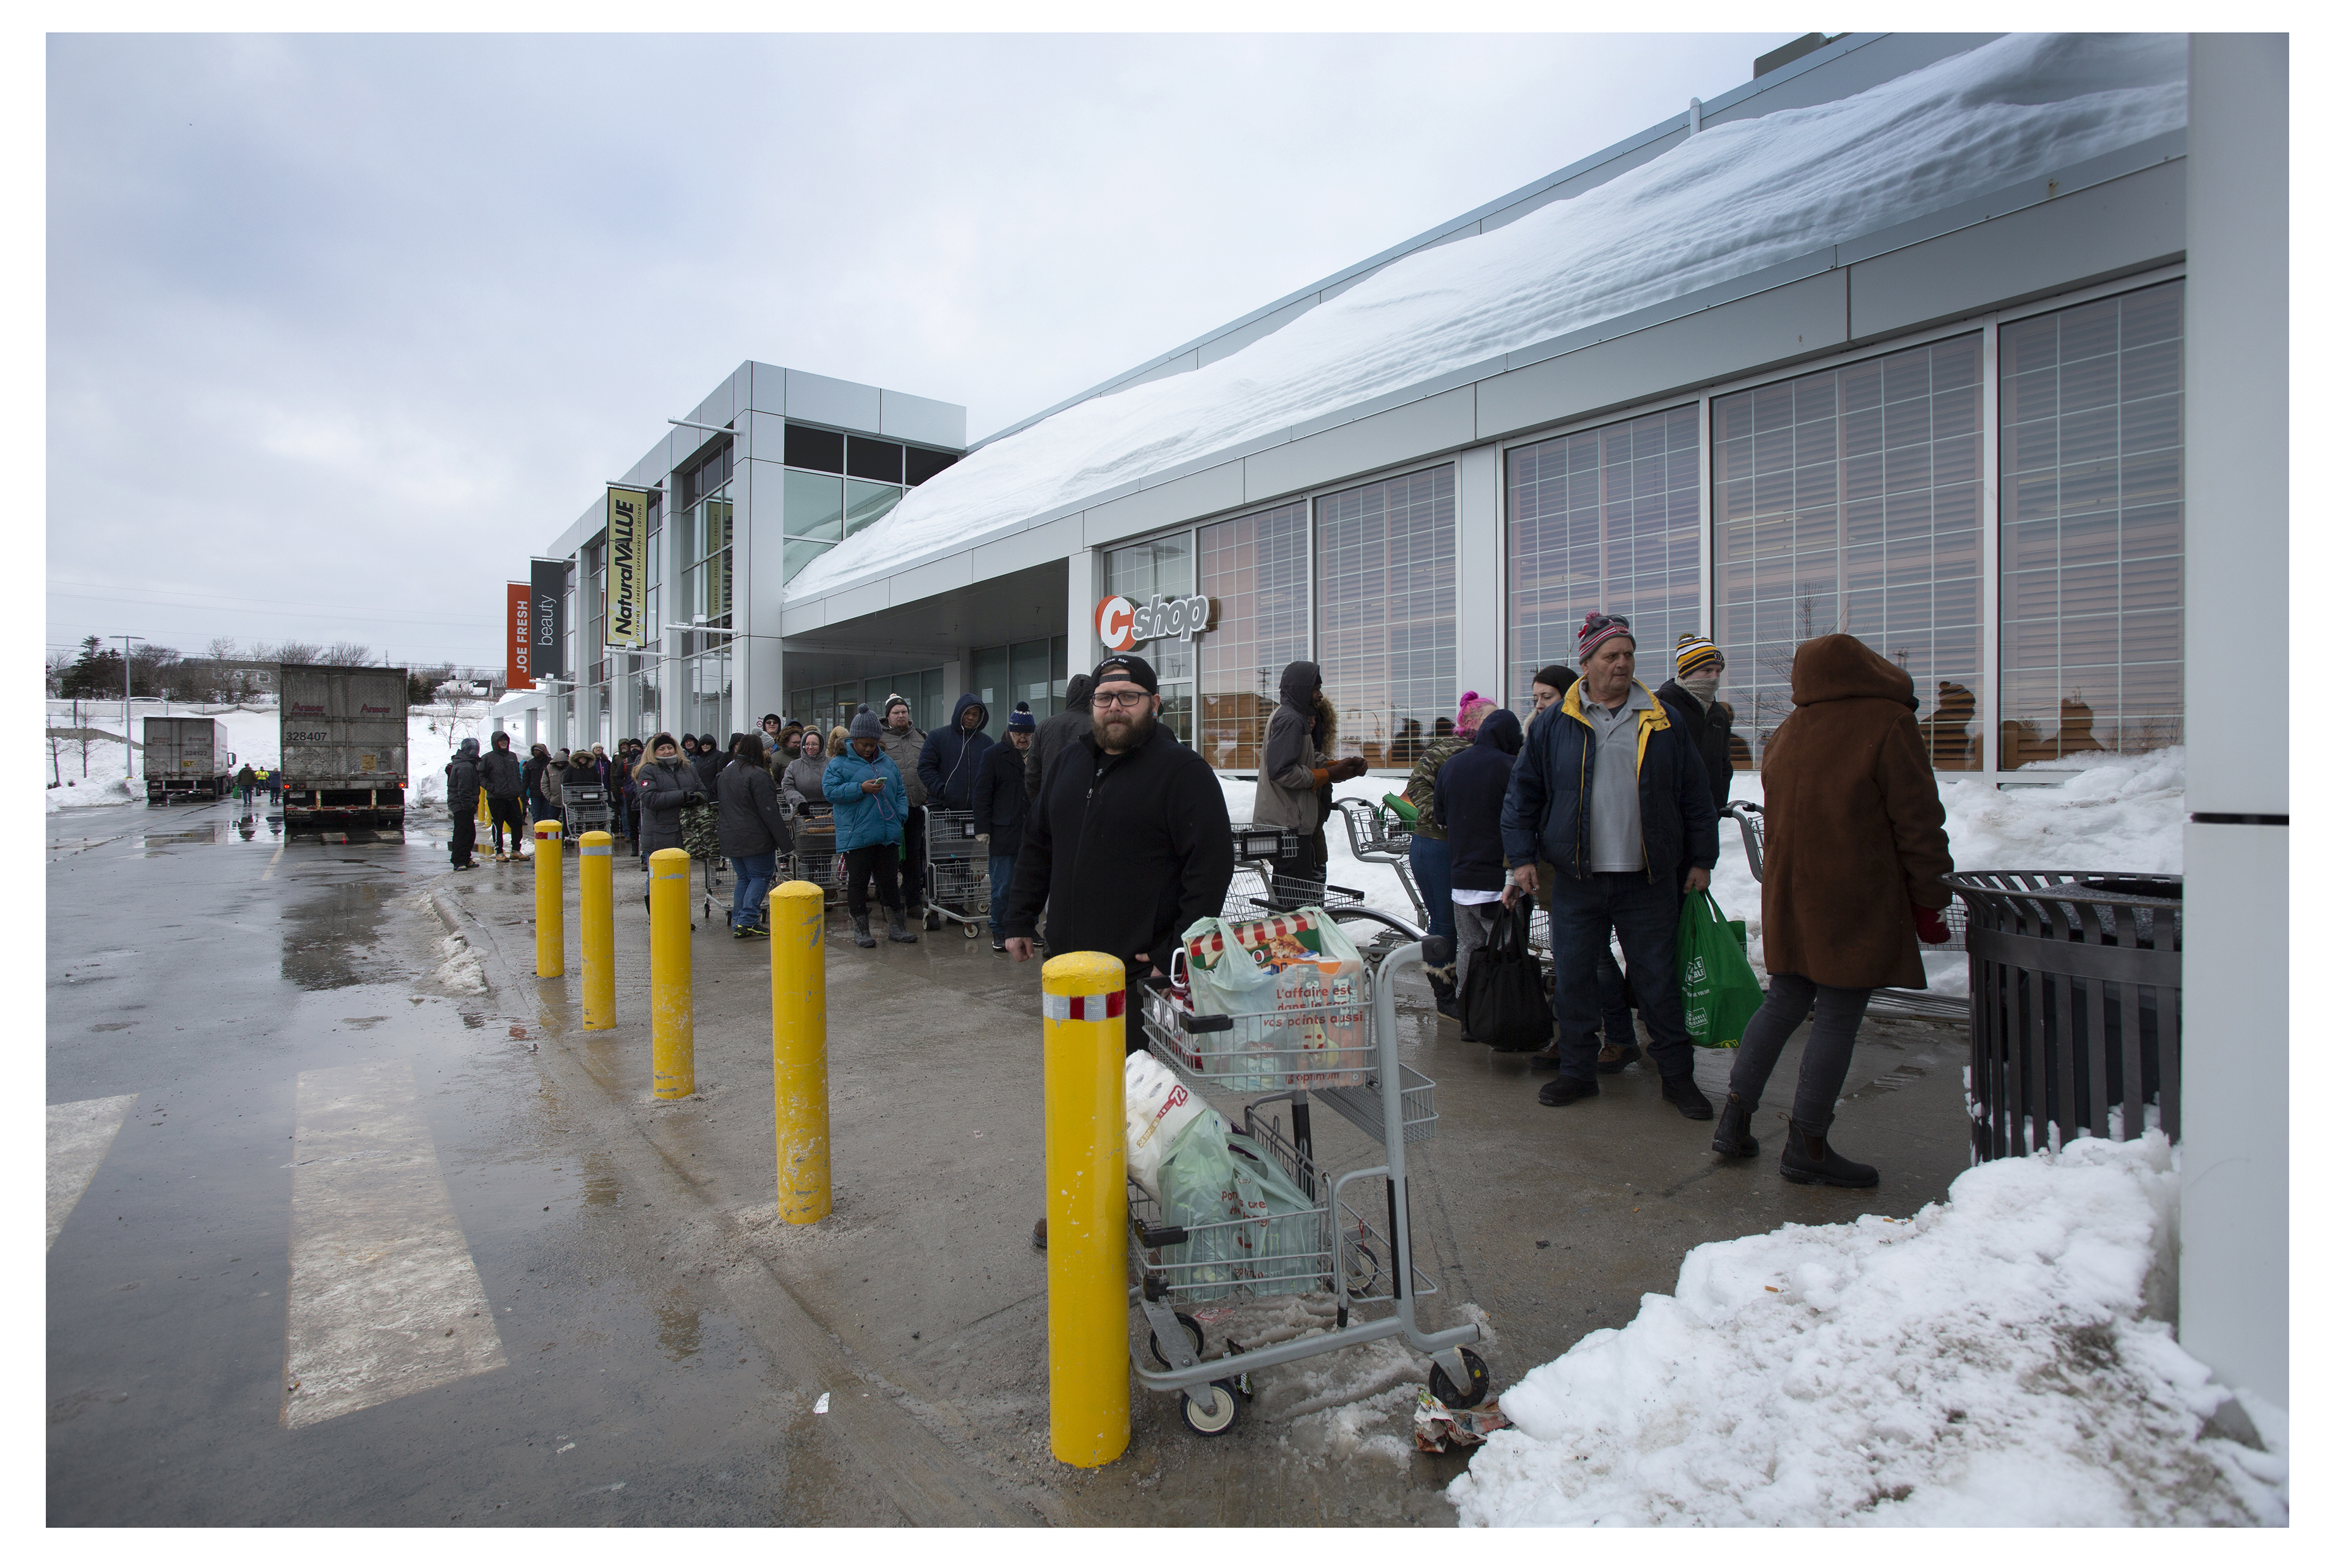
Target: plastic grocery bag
{"points": [[1156, 1108], [1716, 980], [1299, 978], [1247, 1219]]}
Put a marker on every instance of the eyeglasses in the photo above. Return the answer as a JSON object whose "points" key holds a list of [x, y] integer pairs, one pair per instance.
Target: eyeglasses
{"points": [[1119, 699]]}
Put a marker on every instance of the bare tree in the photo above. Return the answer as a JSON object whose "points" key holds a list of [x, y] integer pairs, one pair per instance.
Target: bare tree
{"points": [[287, 653], [223, 649], [345, 654]]}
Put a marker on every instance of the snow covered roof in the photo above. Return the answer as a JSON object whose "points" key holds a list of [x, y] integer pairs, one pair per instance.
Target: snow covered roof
{"points": [[1735, 200]]}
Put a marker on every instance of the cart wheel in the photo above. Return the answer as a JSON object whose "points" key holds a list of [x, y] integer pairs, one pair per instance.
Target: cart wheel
{"points": [[1441, 1387], [969, 929], [1362, 1260], [936, 921], [1194, 1332], [1206, 1424]]}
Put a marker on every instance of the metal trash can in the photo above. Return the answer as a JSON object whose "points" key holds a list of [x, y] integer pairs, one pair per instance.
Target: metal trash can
{"points": [[2074, 1003]]}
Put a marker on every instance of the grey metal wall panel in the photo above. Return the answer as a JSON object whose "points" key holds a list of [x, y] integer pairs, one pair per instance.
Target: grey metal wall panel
{"points": [[824, 400], [1476, 572], [923, 419], [765, 437], [849, 603], [2124, 225], [1790, 323], [919, 582], [766, 386], [1034, 547], [1195, 495], [1417, 430]]}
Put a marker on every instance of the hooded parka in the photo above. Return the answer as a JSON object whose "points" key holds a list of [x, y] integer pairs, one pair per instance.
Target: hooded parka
{"points": [[663, 791], [460, 780], [1468, 800], [903, 748], [949, 759], [1288, 793], [1857, 835]]}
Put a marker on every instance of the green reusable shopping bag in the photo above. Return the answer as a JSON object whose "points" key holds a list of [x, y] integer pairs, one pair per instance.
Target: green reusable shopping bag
{"points": [[1715, 977]]}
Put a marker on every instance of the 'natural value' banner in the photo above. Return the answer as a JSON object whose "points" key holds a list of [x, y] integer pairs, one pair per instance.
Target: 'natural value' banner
{"points": [[625, 588]]}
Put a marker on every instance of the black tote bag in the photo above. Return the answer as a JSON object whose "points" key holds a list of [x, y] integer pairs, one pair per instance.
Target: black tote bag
{"points": [[1503, 1004]]}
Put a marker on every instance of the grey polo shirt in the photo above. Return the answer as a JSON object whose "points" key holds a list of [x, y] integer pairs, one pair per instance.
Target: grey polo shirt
{"points": [[1616, 836]]}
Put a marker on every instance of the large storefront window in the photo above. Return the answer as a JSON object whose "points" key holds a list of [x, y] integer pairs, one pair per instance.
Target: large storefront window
{"points": [[1162, 569], [1256, 567], [706, 690], [1848, 501], [2091, 528], [1605, 519], [1385, 597], [1032, 672]]}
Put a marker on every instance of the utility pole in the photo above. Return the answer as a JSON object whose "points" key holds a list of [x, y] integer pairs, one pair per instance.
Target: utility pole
{"points": [[128, 683]]}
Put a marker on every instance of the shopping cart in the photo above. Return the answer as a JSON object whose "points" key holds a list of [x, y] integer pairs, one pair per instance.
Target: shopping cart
{"points": [[587, 810], [1376, 839], [815, 853], [1751, 822], [955, 869], [1355, 1244]]}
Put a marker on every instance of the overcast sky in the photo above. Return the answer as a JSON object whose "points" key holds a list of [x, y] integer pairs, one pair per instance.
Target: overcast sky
{"points": [[342, 329]]}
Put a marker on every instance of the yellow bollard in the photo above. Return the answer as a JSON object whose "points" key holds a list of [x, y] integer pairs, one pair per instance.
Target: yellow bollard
{"points": [[803, 1083], [1088, 1210], [671, 874], [596, 879], [549, 899]]}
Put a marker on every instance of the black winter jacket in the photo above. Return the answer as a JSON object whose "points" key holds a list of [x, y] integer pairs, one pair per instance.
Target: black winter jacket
{"points": [[1546, 815], [1057, 732], [1709, 732], [1468, 800], [999, 800], [708, 766], [501, 773], [1128, 852], [662, 789], [948, 758], [459, 784], [750, 821]]}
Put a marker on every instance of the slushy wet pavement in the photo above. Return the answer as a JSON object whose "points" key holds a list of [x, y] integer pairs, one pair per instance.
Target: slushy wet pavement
{"points": [[657, 1338]]}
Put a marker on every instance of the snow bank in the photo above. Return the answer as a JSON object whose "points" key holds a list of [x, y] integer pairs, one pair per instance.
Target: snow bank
{"points": [[1738, 198], [1988, 1362]]}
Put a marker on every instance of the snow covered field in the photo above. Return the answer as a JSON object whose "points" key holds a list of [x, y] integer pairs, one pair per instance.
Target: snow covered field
{"points": [[2120, 813], [253, 733], [1989, 1362]]}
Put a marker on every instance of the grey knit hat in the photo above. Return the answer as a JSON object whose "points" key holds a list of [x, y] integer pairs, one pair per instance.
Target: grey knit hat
{"points": [[863, 727]]}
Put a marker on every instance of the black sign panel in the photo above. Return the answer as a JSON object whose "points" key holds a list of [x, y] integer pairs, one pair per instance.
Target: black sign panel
{"points": [[548, 620]]}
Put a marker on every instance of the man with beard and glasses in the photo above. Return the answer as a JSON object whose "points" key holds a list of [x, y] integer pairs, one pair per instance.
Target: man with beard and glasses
{"points": [[1128, 841]]}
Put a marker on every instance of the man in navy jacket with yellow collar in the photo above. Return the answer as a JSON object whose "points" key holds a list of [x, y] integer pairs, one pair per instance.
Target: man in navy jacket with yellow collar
{"points": [[1610, 804]]}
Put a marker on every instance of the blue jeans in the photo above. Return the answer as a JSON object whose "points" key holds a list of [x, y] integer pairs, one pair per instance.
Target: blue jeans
{"points": [[753, 874], [1002, 870], [1432, 869], [1583, 910]]}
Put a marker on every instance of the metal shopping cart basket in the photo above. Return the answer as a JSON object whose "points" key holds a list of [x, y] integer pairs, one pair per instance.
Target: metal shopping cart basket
{"points": [[1375, 836], [956, 871], [815, 855], [1355, 1243], [1751, 822], [587, 810]]}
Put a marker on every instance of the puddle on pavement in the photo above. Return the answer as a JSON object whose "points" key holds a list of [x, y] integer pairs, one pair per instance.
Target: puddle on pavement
{"points": [[163, 843], [679, 1328], [326, 939]]}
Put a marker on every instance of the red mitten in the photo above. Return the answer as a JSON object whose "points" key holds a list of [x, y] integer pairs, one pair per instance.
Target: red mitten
{"points": [[1931, 925]]}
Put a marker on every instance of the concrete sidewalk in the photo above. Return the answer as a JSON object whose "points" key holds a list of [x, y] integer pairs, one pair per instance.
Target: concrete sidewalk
{"points": [[919, 1305]]}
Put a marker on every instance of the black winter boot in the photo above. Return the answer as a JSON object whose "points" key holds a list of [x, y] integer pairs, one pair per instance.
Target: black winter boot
{"points": [[1811, 1162], [864, 931], [1687, 1098], [1734, 1137], [896, 931], [1565, 1091], [1440, 982]]}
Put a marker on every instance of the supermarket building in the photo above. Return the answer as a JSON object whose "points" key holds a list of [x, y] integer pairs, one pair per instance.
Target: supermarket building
{"points": [[1950, 403]]}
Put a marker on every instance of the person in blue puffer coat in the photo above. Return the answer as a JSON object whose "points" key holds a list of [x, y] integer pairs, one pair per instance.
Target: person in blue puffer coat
{"points": [[950, 757], [867, 792]]}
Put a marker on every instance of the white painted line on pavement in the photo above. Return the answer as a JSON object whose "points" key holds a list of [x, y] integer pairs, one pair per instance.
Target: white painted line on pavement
{"points": [[79, 1134], [384, 1300]]}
